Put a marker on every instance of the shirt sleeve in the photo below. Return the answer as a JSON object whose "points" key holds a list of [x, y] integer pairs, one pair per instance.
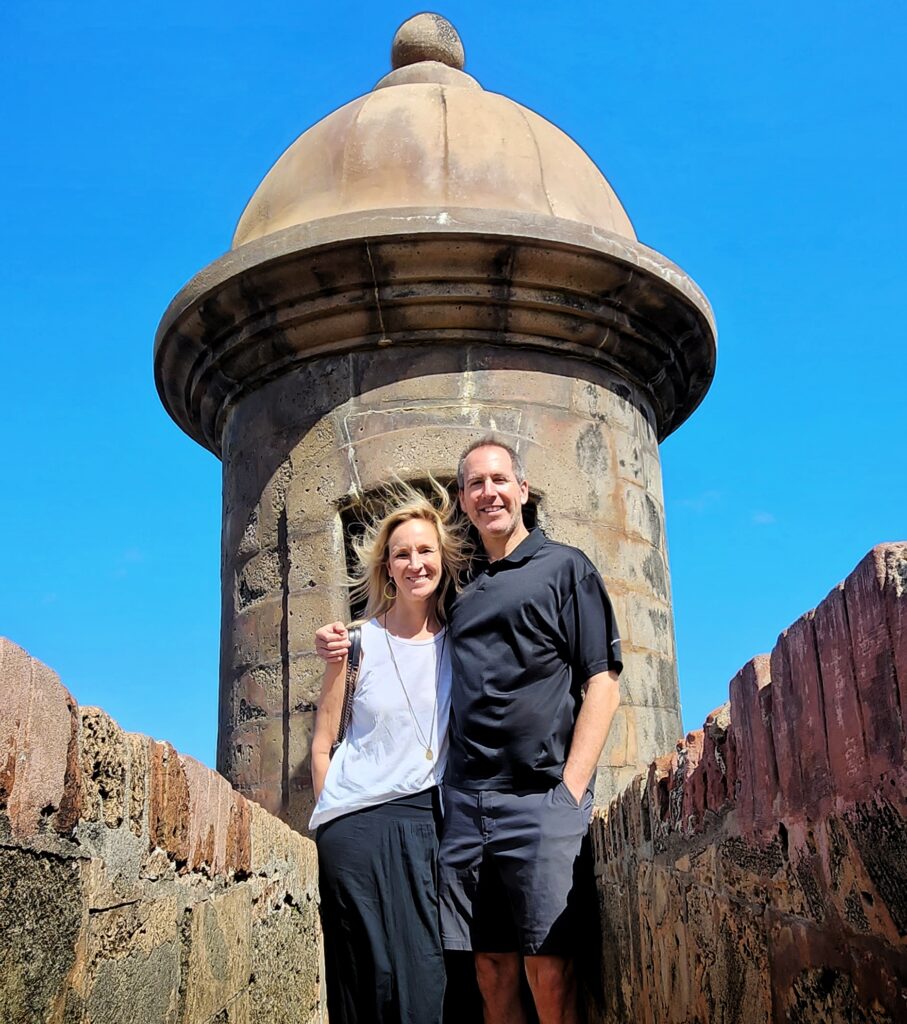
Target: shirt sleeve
{"points": [[589, 628]]}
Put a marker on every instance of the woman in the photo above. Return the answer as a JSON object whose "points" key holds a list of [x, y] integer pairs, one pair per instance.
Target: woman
{"points": [[377, 810]]}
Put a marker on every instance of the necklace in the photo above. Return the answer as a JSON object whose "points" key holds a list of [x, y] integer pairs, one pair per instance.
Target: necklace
{"points": [[429, 753]]}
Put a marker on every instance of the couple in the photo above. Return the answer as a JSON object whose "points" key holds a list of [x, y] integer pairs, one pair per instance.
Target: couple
{"points": [[522, 662]]}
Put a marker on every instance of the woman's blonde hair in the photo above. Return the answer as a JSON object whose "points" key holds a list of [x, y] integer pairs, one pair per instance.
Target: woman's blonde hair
{"points": [[398, 503]]}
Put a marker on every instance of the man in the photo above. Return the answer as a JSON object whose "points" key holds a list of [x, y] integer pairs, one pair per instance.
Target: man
{"points": [[536, 658]]}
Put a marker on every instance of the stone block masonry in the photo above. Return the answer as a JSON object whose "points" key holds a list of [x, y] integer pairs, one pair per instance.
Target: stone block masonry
{"points": [[135, 884], [759, 872]]}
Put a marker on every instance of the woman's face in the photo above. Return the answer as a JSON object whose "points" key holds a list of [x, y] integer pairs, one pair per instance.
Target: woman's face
{"points": [[414, 559]]}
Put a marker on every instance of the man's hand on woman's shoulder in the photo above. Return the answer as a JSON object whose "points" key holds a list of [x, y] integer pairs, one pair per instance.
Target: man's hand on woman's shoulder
{"points": [[332, 642]]}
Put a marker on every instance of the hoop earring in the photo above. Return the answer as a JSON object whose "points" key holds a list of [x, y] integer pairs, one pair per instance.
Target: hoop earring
{"points": [[390, 596]]}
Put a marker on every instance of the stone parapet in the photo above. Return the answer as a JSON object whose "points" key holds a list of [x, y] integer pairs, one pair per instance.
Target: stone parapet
{"points": [[135, 884], [759, 872]]}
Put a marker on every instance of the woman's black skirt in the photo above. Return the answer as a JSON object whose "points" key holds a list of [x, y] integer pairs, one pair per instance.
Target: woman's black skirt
{"points": [[379, 913]]}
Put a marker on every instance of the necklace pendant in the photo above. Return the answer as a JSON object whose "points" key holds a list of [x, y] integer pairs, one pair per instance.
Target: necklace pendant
{"points": [[429, 756]]}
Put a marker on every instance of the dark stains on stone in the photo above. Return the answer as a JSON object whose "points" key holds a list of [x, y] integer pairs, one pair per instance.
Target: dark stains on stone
{"points": [[765, 861], [248, 544], [812, 891], [613, 942], [659, 620], [654, 571], [42, 915], [592, 458], [664, 672], [646, 821], [784, 839], [854, 912], [502, 287], [736, 962], [654, 519], [249, 712], [184, 937], [837, 850], [880, 835], [827, 996], [246, 593], [324, 277]]}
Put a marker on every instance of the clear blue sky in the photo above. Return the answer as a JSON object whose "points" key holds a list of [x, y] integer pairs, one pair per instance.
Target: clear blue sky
{"points": [[759, 145]]}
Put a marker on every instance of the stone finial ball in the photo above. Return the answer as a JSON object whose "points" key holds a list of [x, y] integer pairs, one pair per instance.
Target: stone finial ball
{"points": [[427, 37]]}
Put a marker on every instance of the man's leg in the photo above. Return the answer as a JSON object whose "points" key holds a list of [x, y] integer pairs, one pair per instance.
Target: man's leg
{"points": [[553, 985], [498, 975], [539, 840]]}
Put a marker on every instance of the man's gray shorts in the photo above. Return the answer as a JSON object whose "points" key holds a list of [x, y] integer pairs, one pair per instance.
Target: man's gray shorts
{"points": [[509, 870]]}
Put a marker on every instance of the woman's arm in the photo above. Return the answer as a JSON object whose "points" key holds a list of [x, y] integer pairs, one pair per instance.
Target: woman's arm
{"points": [[327, 720]]}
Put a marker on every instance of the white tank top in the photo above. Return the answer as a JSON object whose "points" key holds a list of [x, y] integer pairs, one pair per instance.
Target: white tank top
{"points": [[382, 757]]}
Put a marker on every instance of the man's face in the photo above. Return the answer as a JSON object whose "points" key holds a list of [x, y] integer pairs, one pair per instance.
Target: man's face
{"points": [[491, 496]]}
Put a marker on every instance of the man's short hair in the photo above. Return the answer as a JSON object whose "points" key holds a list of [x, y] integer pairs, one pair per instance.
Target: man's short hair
{"points": [[491, 441]]}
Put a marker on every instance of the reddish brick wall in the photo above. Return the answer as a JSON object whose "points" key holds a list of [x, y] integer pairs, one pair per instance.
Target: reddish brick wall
{"points": [[135, 884], [759, 873]]}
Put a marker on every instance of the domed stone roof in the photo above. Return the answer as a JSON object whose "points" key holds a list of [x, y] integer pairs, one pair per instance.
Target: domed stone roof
{"points": [[429, 136]]}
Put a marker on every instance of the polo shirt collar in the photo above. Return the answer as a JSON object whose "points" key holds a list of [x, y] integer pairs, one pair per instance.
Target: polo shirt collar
{"points": [[522, 552]]}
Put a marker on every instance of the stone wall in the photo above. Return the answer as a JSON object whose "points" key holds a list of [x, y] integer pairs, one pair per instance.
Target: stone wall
{"points": [[759, 873], [135, 884]]}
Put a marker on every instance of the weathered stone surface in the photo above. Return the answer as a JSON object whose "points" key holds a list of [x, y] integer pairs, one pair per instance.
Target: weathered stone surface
{"points": [[648, 624], [288, 976], [751, 720], [168, 806], [41, 907], [132, 961], [218, 823], [168, 899], [847, 753], [895, 588], [798, 717], [875, 655], [218, 937], [105, 768], [758, 872], [427, 37], [38, 724], [287, 979]]}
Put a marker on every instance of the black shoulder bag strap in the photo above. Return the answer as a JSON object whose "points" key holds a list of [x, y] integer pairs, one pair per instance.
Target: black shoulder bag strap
{"points": [[353, 658]]}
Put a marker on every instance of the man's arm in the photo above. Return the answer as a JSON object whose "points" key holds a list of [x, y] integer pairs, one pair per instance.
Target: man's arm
{"points": [[332, 642], [602, 697]]}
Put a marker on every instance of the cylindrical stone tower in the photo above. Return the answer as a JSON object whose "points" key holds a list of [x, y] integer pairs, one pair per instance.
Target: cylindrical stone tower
{"points": [[428, 263]]}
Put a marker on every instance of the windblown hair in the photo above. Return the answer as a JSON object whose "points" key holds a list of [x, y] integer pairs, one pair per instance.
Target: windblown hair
{"points": [[400, 502]]}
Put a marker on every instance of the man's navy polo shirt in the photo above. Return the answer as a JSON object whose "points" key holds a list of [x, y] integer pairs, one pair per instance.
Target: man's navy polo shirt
{"points": [[526, 633]]}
